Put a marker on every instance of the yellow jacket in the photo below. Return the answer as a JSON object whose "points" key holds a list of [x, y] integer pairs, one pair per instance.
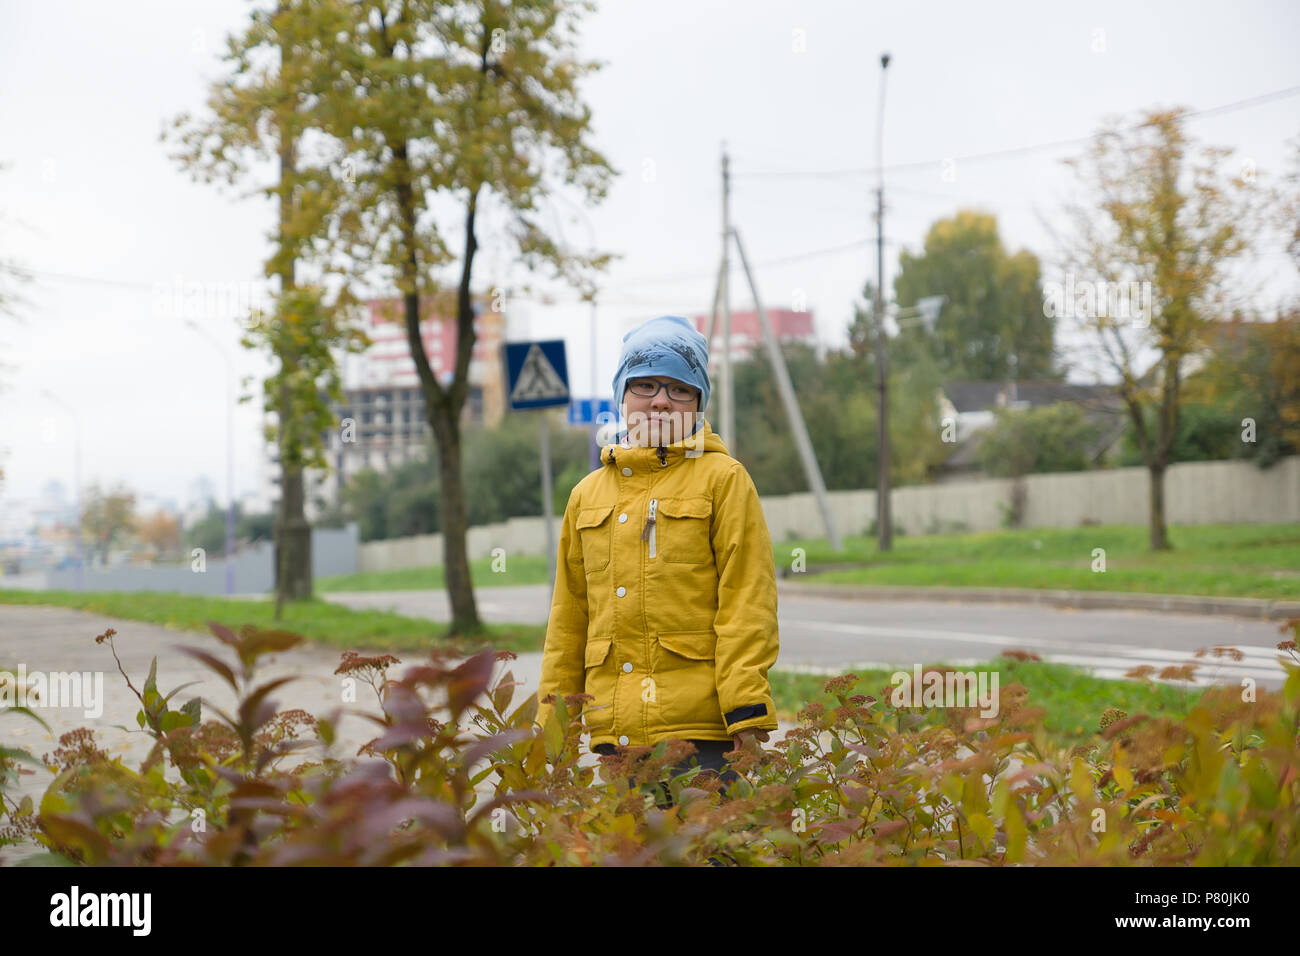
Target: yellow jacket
{"points": [[664, 607]]}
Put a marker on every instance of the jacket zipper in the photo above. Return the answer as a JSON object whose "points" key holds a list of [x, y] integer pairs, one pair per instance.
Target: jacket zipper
{"points": [[648, 532]]}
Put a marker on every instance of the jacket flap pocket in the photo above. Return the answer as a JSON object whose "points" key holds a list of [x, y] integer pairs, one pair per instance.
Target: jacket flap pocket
{"points": [[686, 507], [697, 645], [591, 517], [597, 651]]}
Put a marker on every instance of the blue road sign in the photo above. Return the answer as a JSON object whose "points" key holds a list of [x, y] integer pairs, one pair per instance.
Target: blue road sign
{"points": [[537, 375], [591, 411]]}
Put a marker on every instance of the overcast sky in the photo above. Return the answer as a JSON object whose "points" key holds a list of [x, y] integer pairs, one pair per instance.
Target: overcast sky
{"points": [[93, 206]]}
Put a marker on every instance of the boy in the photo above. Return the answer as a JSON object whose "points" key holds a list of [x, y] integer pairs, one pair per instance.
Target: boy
{"points": [[665, 606]]}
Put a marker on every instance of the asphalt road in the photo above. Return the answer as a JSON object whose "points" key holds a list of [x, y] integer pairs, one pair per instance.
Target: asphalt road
{"points": [[822, 634]]}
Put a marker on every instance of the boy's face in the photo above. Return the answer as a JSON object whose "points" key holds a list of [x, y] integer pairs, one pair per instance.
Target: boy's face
{"points": [[660, 419]]}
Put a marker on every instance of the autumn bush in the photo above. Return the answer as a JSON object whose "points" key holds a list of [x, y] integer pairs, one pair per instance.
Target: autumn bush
{"points": [[457, 774]]}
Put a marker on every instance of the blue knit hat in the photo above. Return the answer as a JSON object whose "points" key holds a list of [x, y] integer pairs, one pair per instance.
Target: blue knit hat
{"points": [[668, 346]]}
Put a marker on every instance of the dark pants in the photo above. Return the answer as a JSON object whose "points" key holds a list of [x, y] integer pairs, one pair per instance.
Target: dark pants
{"points": [[708, 758]]}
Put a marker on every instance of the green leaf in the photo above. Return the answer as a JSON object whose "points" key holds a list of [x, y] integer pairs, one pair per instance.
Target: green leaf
{"points": [[503, 692], [28, 712], [177, 690], [983, 827], [553, 737], [325, 729], [11, 753], [525, 713]]}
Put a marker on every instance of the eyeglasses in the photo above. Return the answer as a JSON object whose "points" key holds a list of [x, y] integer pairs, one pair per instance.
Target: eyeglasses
{"points": [[648, 388]]}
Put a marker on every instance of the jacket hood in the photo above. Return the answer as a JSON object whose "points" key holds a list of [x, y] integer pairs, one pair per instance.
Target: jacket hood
{"points": [[702, 441]]}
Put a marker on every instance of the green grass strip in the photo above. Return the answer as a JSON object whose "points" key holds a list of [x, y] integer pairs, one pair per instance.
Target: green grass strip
{"points": [[1072, 700], [321, 621]]}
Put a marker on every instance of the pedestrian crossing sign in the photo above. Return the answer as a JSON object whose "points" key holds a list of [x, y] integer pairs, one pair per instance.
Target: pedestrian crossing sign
{"points": [[537, 374]]}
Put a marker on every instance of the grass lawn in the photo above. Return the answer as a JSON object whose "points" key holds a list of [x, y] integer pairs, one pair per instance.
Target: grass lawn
{"points": [[1260, 561], [521, 569], [317, 620], [1072, 700]]}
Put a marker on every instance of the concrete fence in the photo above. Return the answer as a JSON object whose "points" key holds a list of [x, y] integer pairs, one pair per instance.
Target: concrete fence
{"points": [[1208, 492], [1203, 492], [333, 551]]}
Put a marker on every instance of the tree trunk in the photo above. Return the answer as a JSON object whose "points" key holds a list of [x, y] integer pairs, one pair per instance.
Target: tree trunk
{"points": [[455, 527], [1156, 456], [442, 407], [292, 532], [295, 539], [1159, 536], [442, 412]]}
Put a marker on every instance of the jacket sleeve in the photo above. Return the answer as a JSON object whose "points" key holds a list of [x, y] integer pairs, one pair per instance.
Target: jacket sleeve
{"points": [[566, 630], [745, 621]]}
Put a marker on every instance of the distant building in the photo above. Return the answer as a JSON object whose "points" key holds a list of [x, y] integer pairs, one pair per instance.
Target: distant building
{"points": [[747, 332], [381, 421], [383, 426], [388, 362]]}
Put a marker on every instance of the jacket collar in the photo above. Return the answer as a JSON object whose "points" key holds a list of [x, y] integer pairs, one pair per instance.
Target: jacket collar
{"points": [[643, 458]]}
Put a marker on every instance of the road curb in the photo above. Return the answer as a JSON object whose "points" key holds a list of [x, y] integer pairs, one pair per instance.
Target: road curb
{"points": [[1257, 608]]}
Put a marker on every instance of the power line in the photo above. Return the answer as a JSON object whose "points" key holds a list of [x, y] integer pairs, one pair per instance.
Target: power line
{"points": [[784, 260], [814, 174], [1003, 153], [665, 277]]}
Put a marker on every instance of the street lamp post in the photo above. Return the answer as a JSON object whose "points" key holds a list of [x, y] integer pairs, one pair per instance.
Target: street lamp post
{"points": [[76, 478], [230, 455], [884, 530]]}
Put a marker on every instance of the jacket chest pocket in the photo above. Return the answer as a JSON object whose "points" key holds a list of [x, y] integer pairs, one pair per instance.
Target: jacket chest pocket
{"points": [[595, 531], [684, 527]]}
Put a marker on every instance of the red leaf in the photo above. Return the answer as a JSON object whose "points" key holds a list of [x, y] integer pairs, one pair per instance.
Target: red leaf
{"points": [[213, 663], [223, 633]]}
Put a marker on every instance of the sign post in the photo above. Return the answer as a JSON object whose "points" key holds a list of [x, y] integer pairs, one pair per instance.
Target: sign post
{"points": [[538, 377]]}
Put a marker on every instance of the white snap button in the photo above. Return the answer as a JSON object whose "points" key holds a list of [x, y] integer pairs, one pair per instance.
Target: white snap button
{"points": [[627, 471], [622, 518], [622, 591], [622, 740], [627, 667]]}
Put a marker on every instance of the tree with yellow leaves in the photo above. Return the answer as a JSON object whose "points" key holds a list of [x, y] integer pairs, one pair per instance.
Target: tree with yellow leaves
{"points": [[1146, 267], [467, 106], [268, 108]]}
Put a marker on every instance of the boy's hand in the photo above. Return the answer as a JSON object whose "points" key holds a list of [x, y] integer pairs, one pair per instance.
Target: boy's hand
{"points": [[743, 740]]}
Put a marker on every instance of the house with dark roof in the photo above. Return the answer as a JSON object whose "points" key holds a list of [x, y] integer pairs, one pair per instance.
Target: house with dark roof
{"points": [[972, 407]]}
